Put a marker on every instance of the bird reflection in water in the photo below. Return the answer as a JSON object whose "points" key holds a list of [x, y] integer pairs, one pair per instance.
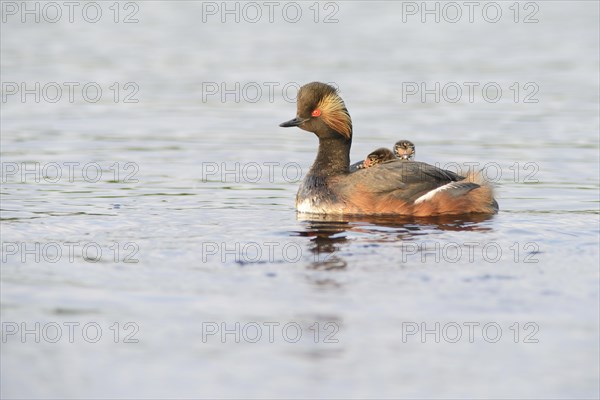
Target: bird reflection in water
{"points": [[327, 233], [326, 240]]}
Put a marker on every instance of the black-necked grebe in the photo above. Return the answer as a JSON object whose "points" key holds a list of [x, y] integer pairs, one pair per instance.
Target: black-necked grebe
{"points": [[393, 187]]}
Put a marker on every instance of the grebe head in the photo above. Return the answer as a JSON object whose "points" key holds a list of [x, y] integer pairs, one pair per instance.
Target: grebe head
{"points": [[378, 156], [321, 111], [404, 150]]}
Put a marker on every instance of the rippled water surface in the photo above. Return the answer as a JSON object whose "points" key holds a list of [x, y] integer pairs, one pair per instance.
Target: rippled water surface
{"points": [[167, 259]]}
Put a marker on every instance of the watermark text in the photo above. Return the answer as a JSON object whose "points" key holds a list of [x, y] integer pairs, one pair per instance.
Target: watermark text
{"points": [[71, 332], [53, 252], [69, 11]]}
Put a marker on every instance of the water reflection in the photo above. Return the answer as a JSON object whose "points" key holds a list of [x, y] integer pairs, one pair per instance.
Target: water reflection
{"points": [[328, 233], [326, 240]]}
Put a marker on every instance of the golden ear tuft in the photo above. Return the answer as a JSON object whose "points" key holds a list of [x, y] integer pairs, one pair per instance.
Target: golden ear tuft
{"points": [[334, 114]]}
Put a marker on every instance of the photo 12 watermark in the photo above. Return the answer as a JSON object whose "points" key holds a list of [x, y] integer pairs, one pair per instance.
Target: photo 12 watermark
{"points": [[469, 332], [469, 92], [251, 252], [69, 92], [251, 92], [53, 12], [292, 172], [452, 12], [251, 172], [253, 12], [71, 252], [493, 172], [471, 252], [69, 332], [269, 332], [69, 172]]}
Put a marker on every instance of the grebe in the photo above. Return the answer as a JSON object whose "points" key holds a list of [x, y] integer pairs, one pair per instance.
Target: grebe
{"points": [[405, 150], [373, 158], [395, 187]]}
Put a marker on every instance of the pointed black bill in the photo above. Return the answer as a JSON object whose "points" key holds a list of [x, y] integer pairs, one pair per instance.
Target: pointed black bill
{"points": [[292, 122]]}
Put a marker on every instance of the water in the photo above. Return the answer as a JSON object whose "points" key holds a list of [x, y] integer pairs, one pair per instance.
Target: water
{"points": [[189, 227]]}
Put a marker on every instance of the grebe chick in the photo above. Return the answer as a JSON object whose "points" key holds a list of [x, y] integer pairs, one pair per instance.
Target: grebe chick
{"points": [[373, 158], [405, 150], [378, 156], [393, 187]]}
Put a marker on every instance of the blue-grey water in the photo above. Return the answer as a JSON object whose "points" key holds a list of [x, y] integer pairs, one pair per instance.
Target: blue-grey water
{"points": [[150, 246]]}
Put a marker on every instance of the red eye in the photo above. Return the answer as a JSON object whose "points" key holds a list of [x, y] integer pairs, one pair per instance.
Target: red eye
{"points": [[316, 113]]}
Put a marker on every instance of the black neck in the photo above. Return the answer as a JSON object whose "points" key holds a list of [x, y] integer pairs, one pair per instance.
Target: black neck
{"points": [[333, 157]]}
